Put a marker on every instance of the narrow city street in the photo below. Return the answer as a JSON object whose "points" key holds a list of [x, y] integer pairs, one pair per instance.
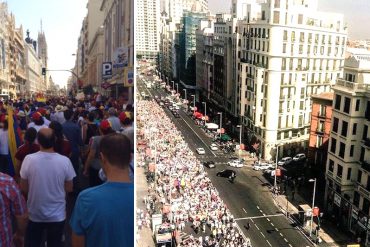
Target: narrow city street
{"points": [[248, 196]]}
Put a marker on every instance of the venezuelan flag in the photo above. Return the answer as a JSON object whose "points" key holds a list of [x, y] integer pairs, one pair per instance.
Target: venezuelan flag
{"points": [[14, 134]]}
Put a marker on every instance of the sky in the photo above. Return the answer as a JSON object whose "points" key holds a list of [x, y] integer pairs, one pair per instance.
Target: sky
{"points": [[356, 13], [61, 23]]}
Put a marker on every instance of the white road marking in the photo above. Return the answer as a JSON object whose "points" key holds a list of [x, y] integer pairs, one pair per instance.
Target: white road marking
{"points": [[276, 229], [285, 240], [252, 220], [268, 243], [207, 147], [281, 235], [272, 224], [262, 234], [245, 211], [268, 219], [290, 245], [258, 207], [256, 226]]}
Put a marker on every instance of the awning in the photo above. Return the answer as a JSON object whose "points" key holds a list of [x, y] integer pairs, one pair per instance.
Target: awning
{"points": [[225, 137], [212, 126], [198, 115]]}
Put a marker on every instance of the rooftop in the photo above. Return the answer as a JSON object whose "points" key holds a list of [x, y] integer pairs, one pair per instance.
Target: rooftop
{"points": [[326, 95]]}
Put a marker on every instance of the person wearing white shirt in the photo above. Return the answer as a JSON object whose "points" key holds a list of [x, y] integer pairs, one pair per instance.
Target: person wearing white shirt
{"points": [[46, 177]]}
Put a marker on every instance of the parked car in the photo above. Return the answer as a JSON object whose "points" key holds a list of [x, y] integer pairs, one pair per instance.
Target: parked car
{"points": [[262, 166], [299, 157], [236, 163], [214, 147], [269, 170], [209, 164], [285, 161], [201, 151], [230, 174]]}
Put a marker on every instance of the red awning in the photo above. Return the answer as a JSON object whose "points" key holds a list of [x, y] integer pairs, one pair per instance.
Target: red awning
{"points": [[198, 115]]}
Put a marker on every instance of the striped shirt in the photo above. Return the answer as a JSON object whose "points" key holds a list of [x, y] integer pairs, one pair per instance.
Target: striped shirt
{"points": [[11, 203]]}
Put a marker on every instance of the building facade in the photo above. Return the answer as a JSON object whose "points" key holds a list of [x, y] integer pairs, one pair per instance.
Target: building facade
{"points": [[147, 21], [118, 22], [321, 115], [289, 51], [347, 194]]}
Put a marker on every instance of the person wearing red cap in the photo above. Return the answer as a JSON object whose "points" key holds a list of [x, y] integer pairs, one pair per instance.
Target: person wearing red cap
{"points": [[37, 121], [43, 113], [93, 162], [126, 127]]}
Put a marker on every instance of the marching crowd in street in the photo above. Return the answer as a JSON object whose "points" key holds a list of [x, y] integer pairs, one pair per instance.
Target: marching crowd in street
{"points": [[45, 149], [180, 186]]}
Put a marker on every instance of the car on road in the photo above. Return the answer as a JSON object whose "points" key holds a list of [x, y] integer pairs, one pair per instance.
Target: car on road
{"points": [[227, 173], [285, 161], [236, 163], [299, 157], [175, 114], [269, 170], [262, 166], [201, 151], [214, 147], [209, 164]]}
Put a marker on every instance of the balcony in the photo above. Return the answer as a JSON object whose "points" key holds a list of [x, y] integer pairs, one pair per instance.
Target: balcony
{"points": [[243, 60], [352, 86], [366, 142], [362, 189], [365, 165], [320, 130]]}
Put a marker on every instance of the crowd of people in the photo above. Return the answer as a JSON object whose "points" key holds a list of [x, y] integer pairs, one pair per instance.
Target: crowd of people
{"points": [[181, 188], [47, 150]]}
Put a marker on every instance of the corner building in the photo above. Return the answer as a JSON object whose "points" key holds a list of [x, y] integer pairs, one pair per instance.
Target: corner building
{"points": [[347, 192], [288, 50]]}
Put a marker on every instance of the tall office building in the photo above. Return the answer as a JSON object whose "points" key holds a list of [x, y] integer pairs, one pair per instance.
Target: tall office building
{"points": [[147, 28], [288, 51]]}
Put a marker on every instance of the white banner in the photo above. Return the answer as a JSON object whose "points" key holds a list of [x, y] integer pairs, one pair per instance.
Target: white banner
{"points": [[120, 57]]}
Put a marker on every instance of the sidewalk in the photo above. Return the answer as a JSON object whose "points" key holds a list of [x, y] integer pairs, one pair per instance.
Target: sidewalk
{"points": [[144, 236], [329, 234]]}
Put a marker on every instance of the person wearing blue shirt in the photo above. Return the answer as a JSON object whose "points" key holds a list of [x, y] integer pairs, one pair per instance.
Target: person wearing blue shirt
{"points": [[104, 215], [73, 134]]}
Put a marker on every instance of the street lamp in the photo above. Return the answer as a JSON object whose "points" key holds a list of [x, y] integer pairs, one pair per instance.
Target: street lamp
{"points": [[193, 95], [185, 94], [276, 163], [173, 85], [205, 112], [177, 88], [220, 113], [313, 201], [240, 135]]}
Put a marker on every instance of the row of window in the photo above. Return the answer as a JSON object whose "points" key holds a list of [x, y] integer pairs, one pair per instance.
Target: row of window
{"points": [[347, 104], [301, 49], [316, 38], [342, 148], [309, 64], [339, 170]]}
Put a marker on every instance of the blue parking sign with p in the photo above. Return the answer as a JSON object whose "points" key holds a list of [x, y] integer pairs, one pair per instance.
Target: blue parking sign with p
{"points": [[107, 70]]}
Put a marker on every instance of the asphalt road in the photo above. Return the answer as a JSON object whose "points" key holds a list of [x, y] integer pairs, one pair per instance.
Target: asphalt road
{"points": [[248, 196]]}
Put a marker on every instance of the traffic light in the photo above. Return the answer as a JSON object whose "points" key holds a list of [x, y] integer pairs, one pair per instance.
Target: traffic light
{"points": [[43, 71]]}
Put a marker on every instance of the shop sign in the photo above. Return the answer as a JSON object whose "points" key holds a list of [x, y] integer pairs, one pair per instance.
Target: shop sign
{"points": [[337, 199]]}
